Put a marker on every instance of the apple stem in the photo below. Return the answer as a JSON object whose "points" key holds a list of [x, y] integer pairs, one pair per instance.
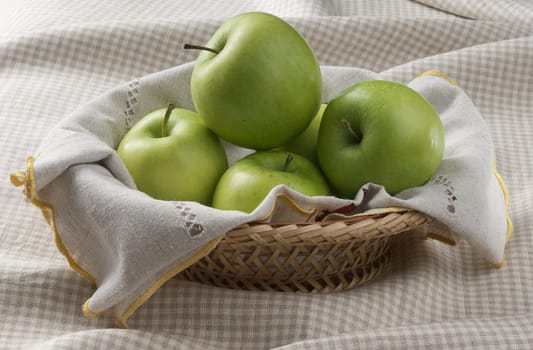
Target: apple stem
{"points": [[198, 47], [170, 107], [288, 161], [356, 135]]}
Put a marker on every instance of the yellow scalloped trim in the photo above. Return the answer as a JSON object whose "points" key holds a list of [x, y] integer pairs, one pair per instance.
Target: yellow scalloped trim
{"points": [[509, 232], [19, 178], [27, 179], [439, 74], [167, 276], [309, 214], [440, 238], [88, 312]]}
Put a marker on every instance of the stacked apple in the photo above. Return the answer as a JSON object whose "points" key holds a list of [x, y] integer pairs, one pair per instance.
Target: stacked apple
{"points": [[257, 84]]}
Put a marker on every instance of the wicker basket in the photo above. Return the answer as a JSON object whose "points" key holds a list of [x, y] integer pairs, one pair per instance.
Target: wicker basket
{"points": [[305, 257]]}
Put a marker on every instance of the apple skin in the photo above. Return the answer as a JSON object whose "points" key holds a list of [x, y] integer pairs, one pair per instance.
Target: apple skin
{"points": [[185, 165], [262, 88], [248, 181], [306, 143], [397, 139]]}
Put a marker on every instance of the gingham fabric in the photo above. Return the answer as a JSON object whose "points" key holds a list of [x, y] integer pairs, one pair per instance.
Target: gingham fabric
{"points": [[57, 55]]}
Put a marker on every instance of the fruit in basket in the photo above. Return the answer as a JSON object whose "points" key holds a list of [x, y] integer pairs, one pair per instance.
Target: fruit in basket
{"points": [[382, 132], [256, 82], [172, 155], [247, 182], [305, 144]]}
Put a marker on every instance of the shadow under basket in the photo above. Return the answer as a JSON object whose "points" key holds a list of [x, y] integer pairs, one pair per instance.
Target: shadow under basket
{"points": [[314, 257]]}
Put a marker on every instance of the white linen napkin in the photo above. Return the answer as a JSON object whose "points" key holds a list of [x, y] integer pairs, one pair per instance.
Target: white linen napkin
{"points": [[128, 244]]}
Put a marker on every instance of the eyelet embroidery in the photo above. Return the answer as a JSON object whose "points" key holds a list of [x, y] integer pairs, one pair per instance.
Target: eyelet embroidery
{"points": [[449, 189], [131, 102], [193, 228]]}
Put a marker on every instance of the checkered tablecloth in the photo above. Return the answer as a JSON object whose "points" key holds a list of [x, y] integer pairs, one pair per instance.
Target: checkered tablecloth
{"points": [[57, 55]]}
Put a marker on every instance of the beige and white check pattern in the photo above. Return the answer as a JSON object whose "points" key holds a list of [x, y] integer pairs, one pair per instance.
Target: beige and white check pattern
{"points": [[57, 55]]}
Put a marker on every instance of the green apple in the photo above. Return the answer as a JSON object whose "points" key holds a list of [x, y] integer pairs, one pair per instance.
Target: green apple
{"points": [[172, 155], [381, 132], [256, 82], [305, 144], [248, 181]]}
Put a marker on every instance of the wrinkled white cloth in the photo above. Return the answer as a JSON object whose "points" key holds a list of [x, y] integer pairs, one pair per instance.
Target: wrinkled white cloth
{"points": [[129, 244]]}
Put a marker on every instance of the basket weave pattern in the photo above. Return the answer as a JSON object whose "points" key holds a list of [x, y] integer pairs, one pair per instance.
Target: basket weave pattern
{"points": [[305, 257]]}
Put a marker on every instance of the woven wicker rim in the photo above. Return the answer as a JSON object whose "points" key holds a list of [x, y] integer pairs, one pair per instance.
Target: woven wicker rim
{"points": [[357, 228], [305, 257]]}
